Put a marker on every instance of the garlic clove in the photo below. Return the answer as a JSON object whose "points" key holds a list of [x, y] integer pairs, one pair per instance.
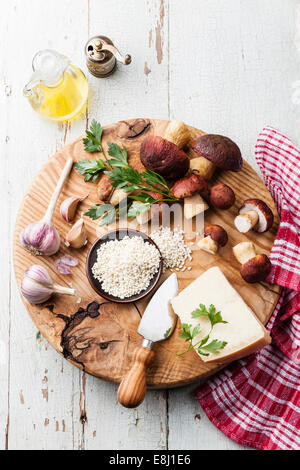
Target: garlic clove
{"points": [[77, 236], [69, 206], [62, 264]]}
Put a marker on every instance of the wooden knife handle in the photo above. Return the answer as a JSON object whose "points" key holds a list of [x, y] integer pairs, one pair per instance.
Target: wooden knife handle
{"points": [[132, 389]]}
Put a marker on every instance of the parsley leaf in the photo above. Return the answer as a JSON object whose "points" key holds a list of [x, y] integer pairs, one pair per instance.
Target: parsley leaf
{"points": [[98, 210], [120, 156], [137, 208], [167, 333], [214, 346], [92, 141], [189, 333], [91, 169]]}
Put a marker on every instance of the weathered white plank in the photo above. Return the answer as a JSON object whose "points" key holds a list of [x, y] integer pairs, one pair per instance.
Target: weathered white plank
{"points": [[195, 431], [232, 64], [41, 383], [132, 91], [224, 66], [5, 93], [139, 28]]}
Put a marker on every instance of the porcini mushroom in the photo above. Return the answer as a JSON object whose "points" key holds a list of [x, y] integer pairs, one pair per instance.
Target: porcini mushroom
{"points": [[214, 236], [163, 154], [222, 196], [216, 151], [189, 189], [255, 268], [254, 214]]}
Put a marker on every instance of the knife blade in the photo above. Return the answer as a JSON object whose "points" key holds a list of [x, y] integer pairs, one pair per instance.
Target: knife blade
{"points": [[157, 324], [158, 320]]}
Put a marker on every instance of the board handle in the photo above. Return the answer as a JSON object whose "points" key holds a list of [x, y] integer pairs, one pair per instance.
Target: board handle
{"points": [[132, 389]]}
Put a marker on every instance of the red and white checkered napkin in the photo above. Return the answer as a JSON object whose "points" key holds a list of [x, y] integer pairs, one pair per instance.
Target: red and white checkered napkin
{"points": [[256, 401]]}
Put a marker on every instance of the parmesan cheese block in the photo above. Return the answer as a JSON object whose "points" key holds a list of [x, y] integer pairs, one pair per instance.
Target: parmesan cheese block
{"points": [[243, 333]]}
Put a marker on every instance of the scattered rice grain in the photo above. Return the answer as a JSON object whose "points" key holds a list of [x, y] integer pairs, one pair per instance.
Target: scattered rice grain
{"points": [[172, 246]]}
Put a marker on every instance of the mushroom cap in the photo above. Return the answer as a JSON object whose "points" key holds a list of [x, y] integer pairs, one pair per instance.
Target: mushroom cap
{"points": [[256, 269], [217, 233], [265, 215], [189, 185], [164, 157], [222, 196], [220, 150]]}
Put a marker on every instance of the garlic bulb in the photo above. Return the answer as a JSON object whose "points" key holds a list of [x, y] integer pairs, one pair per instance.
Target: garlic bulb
{"points": [[69, 206], [41, 238], [77, 236], [37, 285]]}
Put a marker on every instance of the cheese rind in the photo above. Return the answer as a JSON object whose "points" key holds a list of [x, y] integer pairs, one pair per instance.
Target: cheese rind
{"points": [[243, 333]]}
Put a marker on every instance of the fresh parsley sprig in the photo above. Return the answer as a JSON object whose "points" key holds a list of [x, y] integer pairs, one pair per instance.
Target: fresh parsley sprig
{"points": [[121, 176], [203, 347], [92, 141]]}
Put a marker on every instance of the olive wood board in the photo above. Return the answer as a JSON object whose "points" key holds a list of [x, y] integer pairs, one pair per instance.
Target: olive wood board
{"points": [[101, 339]]}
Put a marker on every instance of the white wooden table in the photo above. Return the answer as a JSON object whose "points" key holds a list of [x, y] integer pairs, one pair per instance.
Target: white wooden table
{"points": [[225, 66]]}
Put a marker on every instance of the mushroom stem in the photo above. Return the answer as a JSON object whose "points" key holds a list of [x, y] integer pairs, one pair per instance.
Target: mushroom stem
{"points": [[203, 167], [177, 132], [245, 222], [207, 244], [244, 251]]}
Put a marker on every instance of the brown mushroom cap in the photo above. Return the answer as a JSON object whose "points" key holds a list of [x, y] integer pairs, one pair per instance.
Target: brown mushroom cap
{"points": [[265, 215], [220, 150], [222, 196], [189, 185], [217, 233], [256, 269], [163, 157]]}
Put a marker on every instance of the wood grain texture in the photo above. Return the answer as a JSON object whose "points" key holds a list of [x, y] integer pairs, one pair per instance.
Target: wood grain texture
{"points": [[101, 337]]}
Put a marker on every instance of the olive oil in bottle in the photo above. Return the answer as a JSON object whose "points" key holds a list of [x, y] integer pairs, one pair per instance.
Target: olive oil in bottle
{"points": [[57, 90]]}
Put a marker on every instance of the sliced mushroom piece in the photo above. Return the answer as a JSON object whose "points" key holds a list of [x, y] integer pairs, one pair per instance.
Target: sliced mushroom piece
{"points": [[214, 237], [222, 196], [189, 189], [220, 151], [194, 205], [254, 214], [244, 251], [117, 196], [104, 188], [255, 268]]}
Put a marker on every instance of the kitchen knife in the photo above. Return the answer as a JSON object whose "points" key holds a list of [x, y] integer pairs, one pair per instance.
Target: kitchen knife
{"points": [[157, 324]]}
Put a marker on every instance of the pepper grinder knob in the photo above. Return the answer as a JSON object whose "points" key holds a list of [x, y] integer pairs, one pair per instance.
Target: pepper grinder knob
{"points": [[102, 55]]}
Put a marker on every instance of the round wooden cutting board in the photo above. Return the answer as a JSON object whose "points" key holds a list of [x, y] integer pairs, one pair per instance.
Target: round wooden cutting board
{"points": [[99, 336]]}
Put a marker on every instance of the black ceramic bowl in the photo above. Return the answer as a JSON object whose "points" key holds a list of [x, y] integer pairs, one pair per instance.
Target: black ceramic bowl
{"points": [[92, 258]]}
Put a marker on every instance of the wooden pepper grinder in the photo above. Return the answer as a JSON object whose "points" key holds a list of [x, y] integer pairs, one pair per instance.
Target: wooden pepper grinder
{"points": [[102, 55]]}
